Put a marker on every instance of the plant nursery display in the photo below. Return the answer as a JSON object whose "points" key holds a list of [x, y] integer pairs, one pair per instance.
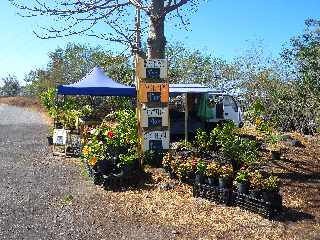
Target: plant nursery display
{"points": [[224, 167]]}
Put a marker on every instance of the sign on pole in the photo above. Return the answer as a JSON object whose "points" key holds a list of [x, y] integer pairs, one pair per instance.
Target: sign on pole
{"points": [[152, 103]]}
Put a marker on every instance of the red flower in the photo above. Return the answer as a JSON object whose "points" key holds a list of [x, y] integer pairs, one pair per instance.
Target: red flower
{"points": [[110, 134], [194, 162]]}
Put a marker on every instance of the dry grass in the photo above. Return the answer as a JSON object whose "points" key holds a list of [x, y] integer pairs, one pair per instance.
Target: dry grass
{"points": [[195, 218], [30, 103]]}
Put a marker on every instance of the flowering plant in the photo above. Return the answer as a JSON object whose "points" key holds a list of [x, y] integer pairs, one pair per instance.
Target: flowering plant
{"points": [[185, 169], [117, 142]]}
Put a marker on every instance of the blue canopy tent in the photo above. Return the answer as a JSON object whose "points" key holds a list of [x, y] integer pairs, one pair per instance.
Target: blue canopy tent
{"points": [[96, 83]]}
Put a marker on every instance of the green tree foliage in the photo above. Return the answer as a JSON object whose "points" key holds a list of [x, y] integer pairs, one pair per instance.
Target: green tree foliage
{"points": [[74, 62], [195, 66], [303, 55], [11, 86]]}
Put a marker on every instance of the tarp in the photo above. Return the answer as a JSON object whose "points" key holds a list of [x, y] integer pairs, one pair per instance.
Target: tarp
{"points": [[204, 111], [96, 83]]}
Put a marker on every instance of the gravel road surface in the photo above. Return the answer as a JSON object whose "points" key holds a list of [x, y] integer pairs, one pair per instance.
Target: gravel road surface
{"points": [[46, 197]]}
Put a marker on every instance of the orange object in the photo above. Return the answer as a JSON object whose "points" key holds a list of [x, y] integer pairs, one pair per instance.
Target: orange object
{"points": [[153, 92]]}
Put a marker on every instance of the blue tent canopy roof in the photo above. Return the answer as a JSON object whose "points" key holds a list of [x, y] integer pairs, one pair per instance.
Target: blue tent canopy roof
{"points": [[96, 83]]}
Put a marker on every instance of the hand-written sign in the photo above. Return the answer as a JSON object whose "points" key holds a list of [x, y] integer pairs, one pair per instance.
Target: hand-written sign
{"points": [[59, 136], [153, 115], [152, 68], [153, 92], [153, 139]]}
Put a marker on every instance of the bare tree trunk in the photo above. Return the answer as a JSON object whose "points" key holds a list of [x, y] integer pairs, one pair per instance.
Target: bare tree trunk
{"points": [[156, 38]]}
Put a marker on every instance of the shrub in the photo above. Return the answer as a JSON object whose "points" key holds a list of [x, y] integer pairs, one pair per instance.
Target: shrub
{"points": [[185, 169], [213, 170], [201, 167], [242, 176], [256, 180], [226, 171], [117, 143], [271, 184]]}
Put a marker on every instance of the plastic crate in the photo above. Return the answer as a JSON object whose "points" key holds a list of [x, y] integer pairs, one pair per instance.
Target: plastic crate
{"points": [[259, 206], [215, 194]]}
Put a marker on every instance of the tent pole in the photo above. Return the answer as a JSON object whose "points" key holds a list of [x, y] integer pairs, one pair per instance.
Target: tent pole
{"points": [[186, 112]]}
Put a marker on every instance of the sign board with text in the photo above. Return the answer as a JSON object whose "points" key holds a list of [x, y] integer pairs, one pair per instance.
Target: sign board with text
{"points": [[154, 117], [154, 92], [155, 140], [152, 69], [152, 103]]}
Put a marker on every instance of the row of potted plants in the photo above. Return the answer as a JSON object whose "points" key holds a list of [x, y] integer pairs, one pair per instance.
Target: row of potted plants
{"points": [[191, 168]]}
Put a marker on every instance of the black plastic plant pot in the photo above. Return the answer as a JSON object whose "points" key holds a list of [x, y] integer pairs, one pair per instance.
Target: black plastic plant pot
{"points": [[97, 178], [243, 188], [199, 178], [223, 182], [213, 181], [50, 140], [255, 193], [275, 155], [269, 196], [105, 166], [127, 168]]}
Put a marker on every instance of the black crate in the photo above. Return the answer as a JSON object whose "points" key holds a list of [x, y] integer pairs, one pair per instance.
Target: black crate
{"points": [[258, 205], [215, 194]]}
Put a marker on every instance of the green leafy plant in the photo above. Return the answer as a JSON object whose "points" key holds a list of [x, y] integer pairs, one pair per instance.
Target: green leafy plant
{"points": [[272, 184], [226, 139], [201, 167], [273, 142], [242, 176], [128, 159], [203, 141], [248, 153], [65, 112]]}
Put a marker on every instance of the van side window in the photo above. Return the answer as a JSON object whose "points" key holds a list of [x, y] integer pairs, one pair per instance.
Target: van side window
{"points": [[229, 101]]}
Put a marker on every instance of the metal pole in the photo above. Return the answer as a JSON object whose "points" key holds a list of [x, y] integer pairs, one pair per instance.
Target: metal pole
{"points": [[186, 116]]}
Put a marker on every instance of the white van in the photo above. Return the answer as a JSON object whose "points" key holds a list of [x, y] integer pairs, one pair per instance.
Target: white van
{"points": [[226, 107], [219, 107]]}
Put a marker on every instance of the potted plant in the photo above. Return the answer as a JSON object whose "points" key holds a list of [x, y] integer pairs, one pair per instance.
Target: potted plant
{"points": [[212, 172], [271, 188], [185, 170], [274, 147], [224, 178], [200, 172], [256, 184], [242, 181]]}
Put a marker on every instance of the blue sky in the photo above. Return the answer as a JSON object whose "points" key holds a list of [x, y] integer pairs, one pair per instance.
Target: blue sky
{"points": [[220, 27]]}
